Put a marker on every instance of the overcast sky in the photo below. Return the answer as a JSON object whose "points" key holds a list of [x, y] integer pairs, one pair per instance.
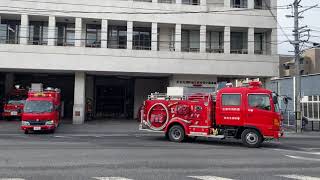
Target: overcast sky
{"points": [[311, 18]]}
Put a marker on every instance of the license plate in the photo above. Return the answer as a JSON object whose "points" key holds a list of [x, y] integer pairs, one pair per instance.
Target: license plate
{"points": [[14, 113], [36, 128]]}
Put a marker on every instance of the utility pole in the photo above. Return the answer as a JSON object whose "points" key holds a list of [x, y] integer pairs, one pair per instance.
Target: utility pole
{"points": [[297, 52], [297, 66]]}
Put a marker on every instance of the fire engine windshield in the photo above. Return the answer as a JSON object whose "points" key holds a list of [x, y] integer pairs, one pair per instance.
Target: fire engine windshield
{"points": [[16, 102], [38, 107]]}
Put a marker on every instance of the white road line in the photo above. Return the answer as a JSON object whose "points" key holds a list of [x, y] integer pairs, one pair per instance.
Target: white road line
{"points": [[299, 177], [11, 179], [302, 152], [209, 178], [303, 158], [111, 178]]}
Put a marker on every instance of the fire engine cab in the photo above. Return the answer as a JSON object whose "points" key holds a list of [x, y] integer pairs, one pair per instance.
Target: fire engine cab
{"points": [[41, 111], [248, 113], [14, 104]]}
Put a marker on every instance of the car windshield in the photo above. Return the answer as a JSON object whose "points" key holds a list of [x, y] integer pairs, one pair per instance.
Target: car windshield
{"points": [[38, 107], [16, 102]]}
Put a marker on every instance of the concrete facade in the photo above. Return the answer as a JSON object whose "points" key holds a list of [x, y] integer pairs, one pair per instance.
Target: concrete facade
{"points": [[79, 33]]}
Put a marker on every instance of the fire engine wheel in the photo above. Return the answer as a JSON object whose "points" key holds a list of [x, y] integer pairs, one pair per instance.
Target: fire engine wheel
{"points": [[176, 133], [26, 131], [251, 138]]}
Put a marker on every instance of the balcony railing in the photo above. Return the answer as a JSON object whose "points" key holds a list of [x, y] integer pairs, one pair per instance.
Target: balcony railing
{"points": [[9, 41], [37, 42], [190, 49], [215, 50], [239, 51], [258, 51]]}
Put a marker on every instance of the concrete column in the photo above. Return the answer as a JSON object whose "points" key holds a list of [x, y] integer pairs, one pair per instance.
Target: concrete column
{"points": [[178, 1], [8, 83], [203, 36], [52, 31], [78, 32], [250, 4], [104, 33], [227, 3], [177, 43], [203, 2], [24, 29], [154, 38], [79, 98], [129, 34], [274, 40], [251, 40], [227, 39]]}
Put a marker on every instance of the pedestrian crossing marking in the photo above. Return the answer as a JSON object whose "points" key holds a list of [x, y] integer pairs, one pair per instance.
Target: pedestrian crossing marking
{"points": [[110, 178], [299, 177], [209, 178], [11, 179]]}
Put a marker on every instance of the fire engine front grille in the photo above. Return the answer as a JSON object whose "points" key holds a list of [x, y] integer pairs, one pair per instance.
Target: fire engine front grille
{"points": [[37, 123]]}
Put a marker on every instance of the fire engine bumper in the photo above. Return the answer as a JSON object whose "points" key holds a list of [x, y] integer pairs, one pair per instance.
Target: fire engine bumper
{"points": [[38, 128]]}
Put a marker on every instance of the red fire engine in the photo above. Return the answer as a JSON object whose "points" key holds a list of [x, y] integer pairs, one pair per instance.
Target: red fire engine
{"points": [[248, 113], [15, 102], [41, 111]]}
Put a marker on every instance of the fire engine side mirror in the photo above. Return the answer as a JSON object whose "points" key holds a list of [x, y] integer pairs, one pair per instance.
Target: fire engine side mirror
{"points": [[286, 100]]}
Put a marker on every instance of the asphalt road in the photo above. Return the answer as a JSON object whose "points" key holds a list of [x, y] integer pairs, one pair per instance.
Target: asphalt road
{"points": [[97, 151]]}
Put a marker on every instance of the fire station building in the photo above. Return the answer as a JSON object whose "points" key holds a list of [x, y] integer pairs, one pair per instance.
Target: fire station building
{"points": [[116, 52]]}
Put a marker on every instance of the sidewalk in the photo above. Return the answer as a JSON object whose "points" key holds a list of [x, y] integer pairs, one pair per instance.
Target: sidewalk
{"points": [[116, 127]]}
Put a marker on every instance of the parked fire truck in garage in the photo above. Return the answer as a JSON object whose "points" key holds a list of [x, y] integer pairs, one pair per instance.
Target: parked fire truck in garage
{"points": [[14, 103], [248, 113], [41, 111]]}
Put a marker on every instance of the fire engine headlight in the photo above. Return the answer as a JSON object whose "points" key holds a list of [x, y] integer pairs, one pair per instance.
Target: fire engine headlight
{"points": [[50, 122], [25, 123]]}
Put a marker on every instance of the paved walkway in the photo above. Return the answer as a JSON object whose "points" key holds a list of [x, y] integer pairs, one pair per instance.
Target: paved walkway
{"points": [[113, 126]]}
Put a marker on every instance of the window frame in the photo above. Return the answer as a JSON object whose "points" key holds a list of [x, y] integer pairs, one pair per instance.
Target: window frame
{"points": [[271, 104], [240, 95]]}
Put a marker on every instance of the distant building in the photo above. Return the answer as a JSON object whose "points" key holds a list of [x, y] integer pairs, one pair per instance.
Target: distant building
{"points": [[309, 63]]}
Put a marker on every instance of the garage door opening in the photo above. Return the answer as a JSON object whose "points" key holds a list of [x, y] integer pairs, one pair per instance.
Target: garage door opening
{"points": [[64, 82], [114, 97]]}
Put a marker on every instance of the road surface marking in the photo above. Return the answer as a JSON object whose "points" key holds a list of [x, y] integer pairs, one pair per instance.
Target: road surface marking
{"points": [[303, 152], [299, 177], [303, 158], [11, 179], [110, 178], [209, 178]]}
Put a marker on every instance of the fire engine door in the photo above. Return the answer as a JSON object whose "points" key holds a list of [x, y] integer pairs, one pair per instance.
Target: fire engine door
{"points": [[260, 109]]}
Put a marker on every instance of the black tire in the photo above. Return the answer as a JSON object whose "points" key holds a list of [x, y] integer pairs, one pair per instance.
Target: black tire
{"points": [[176, 133], [251, 138], [26, 132], [52, 131]]}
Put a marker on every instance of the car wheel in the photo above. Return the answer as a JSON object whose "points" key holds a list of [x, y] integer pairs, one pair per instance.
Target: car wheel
{"points": [[176, 133], [251, 138]]}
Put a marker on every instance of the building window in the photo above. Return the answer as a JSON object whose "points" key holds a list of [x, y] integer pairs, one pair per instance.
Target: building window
{"points": [[239, 43], [38, 33], [215, 42], [239, 4], [231, 99], [141, 38], [9, 32], [93, 35], [117, 37], [190, 40], [259, 101], [65, 34], [191, 2], [258, 43]]}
